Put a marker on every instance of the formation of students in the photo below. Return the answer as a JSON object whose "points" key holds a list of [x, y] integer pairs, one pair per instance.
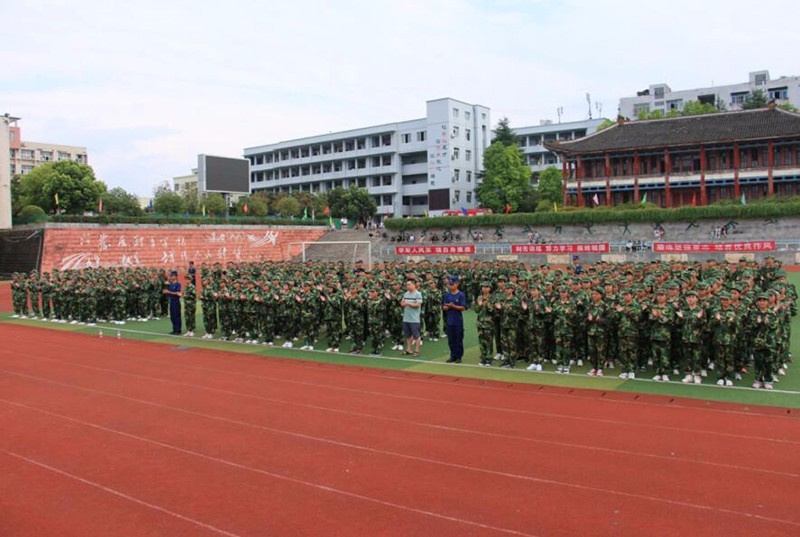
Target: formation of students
{"points": [[695, 319]]}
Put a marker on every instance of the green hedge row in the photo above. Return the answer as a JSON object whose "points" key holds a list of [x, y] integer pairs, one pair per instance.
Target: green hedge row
{"points": [[599, 216], [191, 220]]}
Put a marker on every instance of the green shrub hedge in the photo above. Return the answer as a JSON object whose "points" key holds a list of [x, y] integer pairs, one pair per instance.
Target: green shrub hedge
{"points": [[185, 220], [31, 214], [769, 209]]}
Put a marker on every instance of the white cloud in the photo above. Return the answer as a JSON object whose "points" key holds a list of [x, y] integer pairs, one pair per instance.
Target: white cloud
{"points": [[146, 86]]}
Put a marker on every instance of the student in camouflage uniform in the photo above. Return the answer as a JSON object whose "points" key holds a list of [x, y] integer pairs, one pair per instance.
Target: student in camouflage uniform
{"points": [[596, 322], [629, 316], [209, 300], [764, 323], [692, 321], [564, 313], [376, 310], [538, 314], [662, 317], [725, 322], [190, 307], [511, 310], [332, 315], [355, 318], [485, 323]]}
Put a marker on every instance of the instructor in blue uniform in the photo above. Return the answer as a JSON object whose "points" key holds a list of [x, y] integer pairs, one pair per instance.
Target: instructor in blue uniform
{"points": [[173, 292], [453, 303]]}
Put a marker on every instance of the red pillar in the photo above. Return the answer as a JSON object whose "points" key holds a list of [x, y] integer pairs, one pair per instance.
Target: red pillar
{"points": [[608, 179], [565, 177], [636, 198], [703, 193], [579, 176], [770, 167], [667, 170], [737, 162]]}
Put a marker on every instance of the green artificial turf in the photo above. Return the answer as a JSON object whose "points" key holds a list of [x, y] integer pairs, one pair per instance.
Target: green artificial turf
{"points": [[434, 353]]}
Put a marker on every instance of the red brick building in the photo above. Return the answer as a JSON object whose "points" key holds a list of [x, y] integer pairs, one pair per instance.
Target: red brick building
{"points": [[685, 160]]}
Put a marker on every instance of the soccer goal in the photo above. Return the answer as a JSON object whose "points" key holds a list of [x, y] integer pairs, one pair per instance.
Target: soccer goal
{"points": [[347, 251]]}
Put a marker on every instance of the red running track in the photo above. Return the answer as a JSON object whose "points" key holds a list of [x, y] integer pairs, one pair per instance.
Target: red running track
{"points": [[116, 437]]}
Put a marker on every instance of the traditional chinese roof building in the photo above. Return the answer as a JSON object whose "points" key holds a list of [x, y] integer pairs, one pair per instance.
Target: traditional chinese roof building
{"points": [[685, 160]]}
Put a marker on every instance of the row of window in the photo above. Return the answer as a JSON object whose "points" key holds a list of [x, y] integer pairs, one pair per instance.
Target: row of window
{"points": [[335, 166], [44, 156], [467, 114], [315, 150], [457, 175], [716, 160], [539, 139]]}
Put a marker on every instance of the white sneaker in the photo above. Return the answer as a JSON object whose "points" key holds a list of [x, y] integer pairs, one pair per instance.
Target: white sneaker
{"points": [[698, 379], [580, 363], [664, 378], [768, 386], [738, 376], [592, 373], [531, 367], [657, 378], [15, 316], [757, 385], [649, 361], [631, 375], [289, 345], [539, 367], [676, 372], [781, 371], [711, 366], [721, 382], [336, 349], [611, 365], [728, 383], [330, 349], [703, 373], [623, 376], [497, 356], [688, 379], [599, 373]]}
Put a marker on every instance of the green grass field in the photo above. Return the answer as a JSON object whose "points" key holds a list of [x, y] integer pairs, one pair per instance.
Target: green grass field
{"points": [[434, 354]]}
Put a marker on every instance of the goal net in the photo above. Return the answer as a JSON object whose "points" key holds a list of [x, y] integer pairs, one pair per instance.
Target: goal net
{"points": [[347, 251]]}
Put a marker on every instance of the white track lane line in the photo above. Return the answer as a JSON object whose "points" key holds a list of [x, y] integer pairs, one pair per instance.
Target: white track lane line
{"points": [[284, 477], [376, 417], [388, 394], [120, 494], [414, 458]]}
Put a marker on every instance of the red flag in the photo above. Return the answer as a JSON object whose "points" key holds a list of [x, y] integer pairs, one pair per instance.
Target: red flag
{"points": [[244, 208], [508, 208], [327, 211], [694, 199], [100, 205]]}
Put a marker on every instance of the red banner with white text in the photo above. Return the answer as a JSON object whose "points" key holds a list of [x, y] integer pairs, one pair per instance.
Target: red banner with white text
{"points": [[594, 248], [455, 249], [710, 247]]}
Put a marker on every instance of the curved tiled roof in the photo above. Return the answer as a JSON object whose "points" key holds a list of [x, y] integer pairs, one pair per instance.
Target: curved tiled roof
{"points": [[762, 123]]}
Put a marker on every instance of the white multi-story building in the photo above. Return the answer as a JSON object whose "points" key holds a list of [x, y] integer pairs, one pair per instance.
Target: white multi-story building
{"points": [[186, 183], [785, 89], [531, 140], [410, 167]]}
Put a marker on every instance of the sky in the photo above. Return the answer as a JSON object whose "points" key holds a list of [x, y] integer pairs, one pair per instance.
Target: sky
{"points": [[148, 85]]}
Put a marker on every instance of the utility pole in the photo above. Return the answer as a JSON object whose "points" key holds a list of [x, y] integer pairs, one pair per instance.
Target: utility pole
{"points": [[5, 170]]}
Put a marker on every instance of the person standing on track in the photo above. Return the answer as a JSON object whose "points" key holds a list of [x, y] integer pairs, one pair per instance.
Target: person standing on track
{"points": [[173, 294], [453, 303], [412, 304]]}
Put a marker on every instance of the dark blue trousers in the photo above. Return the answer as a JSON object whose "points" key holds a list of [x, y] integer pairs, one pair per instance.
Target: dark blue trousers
{"points": [[175, 315], [455, 340]]}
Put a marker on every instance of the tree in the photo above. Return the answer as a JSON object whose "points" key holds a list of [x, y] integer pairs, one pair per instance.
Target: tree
{"points": [[352, 203], [166, 201], [695, 108], [16, 194], [504, 134], [789, 107], [214, 204], [529, 200], [757, 99], [506, 178], [287, 206], [256, 206], [75, 184], [605, 124], [551, 185], [118, 201]]}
